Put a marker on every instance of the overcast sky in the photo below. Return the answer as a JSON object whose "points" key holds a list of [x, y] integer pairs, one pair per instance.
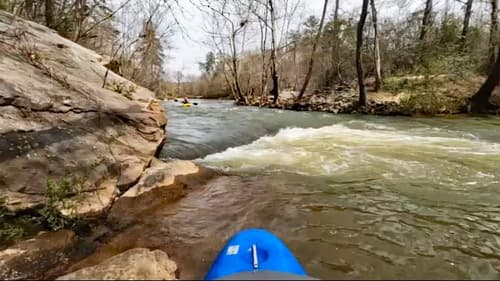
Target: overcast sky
{"points": [[188, 49]]}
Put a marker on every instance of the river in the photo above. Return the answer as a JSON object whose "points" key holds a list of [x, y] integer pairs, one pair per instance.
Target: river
{"points": [[357, 197], [354, 197]]}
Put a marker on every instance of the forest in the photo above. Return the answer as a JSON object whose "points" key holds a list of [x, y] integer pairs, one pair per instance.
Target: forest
{"points": [[428, 54]]}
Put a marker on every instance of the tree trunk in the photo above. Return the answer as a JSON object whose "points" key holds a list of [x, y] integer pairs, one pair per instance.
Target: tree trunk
{"points": [[295, 67], [313, 52], [481, 100], [493, 34], [28, 6], [79, 19], [465, 28], [263, 45], [359, 45], [229, 82], [49, 13], [234, 60], [274, 74], [426, 20], [336, 45], [376, 53]]}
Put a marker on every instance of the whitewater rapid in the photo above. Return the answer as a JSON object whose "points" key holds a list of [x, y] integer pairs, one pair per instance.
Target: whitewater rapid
{"points": [[359, 147]]}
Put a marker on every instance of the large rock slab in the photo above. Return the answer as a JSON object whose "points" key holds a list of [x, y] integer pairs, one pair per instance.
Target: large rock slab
{"points": [[30, 258], [135, 264], [58, 122]]}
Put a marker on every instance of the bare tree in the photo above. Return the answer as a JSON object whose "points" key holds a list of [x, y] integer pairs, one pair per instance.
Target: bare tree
{"points": [[29, 9], [426, 20], [49, 13], [270, 20], [313, 52], [228, 20], [178, 79], [336, 44], [493, 42], [234, 60], [73, 19], [274, 73], [465, 27], [376, 53], [81, 16], [263, 28], [359, 45]]}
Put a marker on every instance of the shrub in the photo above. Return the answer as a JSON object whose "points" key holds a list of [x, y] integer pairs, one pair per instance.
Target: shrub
{"points": [[431, 103], [8, 231], [57, 195], [426, 103], [123, 88]]}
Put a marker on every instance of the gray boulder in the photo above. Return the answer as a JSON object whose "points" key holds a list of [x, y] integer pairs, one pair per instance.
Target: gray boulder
{"points": [[135, 264]]}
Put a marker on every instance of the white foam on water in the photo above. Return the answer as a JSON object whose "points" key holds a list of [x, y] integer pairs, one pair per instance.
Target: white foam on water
{"points": [[339, 148]]}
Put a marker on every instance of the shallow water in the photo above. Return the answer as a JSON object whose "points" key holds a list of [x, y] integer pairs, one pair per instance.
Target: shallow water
{"points": [[355, 197]]}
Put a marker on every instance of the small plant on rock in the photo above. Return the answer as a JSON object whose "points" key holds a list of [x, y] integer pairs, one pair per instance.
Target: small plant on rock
{"points": [[27, 49], [123, 88], [57, 194], [8, 231]]}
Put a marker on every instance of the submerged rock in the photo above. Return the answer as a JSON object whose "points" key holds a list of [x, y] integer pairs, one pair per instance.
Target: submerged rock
{"points": [[135, 264], [30, 258]]}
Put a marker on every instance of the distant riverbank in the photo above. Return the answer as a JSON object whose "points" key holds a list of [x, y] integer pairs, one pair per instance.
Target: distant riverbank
{"points": [[401, 96]]}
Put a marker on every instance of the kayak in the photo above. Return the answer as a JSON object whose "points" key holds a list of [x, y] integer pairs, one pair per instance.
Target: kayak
{"points": [[256, 254], [186, 105]]}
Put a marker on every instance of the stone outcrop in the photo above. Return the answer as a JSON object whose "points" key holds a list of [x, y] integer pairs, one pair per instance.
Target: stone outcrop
{"points": [[161, 175], [30, 258], [58, 122], [135, 264]]}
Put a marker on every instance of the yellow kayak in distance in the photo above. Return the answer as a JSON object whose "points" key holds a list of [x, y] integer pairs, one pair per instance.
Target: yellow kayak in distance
{"points": [[187, 105]]}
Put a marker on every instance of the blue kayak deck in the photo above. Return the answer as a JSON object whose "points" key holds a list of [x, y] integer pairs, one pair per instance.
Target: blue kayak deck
{"points": [[254, 250], [266, 275]]}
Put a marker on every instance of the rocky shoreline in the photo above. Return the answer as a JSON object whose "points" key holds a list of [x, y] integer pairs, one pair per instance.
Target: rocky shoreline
{"points": [[339, 102], [345, 101], [343, 104]]}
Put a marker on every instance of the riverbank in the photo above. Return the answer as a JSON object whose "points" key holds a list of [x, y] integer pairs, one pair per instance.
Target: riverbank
{"points": [[401, 96], [100, 248], [76, 139]]}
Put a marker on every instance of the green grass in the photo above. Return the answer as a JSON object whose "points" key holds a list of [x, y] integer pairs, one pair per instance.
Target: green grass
{"points": [[408, 84], [8, 230], [432, 94]]}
